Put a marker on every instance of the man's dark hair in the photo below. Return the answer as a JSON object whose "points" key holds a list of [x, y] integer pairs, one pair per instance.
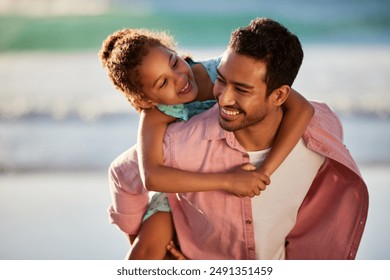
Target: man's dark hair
{"points": [[269, 41]]}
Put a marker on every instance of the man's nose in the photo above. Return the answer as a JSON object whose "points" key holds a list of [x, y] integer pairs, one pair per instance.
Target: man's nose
{"points": [[226, 96]]}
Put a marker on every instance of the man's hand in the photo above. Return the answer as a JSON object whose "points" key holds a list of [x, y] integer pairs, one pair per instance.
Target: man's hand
{"points": [[174, 252]]}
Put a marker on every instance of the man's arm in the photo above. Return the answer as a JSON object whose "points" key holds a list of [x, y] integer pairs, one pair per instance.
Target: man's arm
{"points": [[129, 198]]}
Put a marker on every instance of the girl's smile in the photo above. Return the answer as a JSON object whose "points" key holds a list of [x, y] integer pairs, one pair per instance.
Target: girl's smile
{"points": [[167, 78]]}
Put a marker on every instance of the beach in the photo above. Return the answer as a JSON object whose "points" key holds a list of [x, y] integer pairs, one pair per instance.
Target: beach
{"points": [[62, 122], [58, 216]]}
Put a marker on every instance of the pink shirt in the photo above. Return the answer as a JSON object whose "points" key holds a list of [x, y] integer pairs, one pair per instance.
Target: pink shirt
{"points": [[217, 225]]}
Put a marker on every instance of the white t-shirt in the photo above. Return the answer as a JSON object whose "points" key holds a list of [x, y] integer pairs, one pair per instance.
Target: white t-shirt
{"points": [[275, 210]]}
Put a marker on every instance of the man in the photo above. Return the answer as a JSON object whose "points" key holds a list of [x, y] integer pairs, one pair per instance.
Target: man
{"points": [[316, 205]]}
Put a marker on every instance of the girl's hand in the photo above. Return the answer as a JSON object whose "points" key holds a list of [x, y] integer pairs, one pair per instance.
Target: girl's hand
{"points": [[246, 181]]}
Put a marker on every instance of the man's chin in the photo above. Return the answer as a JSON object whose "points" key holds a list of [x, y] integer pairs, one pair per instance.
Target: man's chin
{"points": [[226, 126]]}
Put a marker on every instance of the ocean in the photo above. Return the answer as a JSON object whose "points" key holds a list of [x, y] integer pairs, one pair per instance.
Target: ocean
{"points": [[62, 122]]}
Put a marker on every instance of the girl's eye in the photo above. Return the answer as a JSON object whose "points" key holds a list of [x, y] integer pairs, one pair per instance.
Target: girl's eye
{"points": [[164, 83], [175, 63]]}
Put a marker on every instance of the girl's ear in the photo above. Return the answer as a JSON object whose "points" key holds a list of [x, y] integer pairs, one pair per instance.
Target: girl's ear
{"points": [[152, 103], [146, 103], [280, 95]]}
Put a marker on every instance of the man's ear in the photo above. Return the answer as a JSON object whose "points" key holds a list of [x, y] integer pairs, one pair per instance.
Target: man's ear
{"points": [[280, 95]]}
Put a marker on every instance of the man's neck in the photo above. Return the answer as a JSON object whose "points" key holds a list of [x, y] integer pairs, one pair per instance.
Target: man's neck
{"points": [[262, 135]]}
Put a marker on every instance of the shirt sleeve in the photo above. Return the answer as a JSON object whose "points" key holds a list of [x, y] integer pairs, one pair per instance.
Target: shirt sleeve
{"points": [[129, 197]]}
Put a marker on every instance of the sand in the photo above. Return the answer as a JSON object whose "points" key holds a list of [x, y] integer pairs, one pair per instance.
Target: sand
{"points": [[63, 216]]}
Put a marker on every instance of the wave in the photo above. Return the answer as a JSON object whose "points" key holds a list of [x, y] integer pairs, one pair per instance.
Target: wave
{"points": [[44, 145], [59, 111], [61, 86], [370, 110], [193, 25]]}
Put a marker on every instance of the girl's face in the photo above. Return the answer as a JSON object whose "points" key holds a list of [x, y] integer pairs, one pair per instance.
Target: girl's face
{"points": [[166, 78]]}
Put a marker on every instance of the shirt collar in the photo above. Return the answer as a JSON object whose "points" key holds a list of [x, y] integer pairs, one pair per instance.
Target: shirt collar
{"points": [[213, 131]]}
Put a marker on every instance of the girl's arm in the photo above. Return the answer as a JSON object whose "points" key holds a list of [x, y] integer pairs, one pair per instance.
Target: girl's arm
{"points": [[297, 115], [157, 177]]}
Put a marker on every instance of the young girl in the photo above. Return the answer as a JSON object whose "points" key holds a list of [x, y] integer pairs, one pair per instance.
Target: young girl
{"points": [[164, 87]]}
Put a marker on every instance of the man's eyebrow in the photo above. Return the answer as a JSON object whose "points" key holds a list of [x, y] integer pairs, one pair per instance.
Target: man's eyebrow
{"points": [[169, 61], [244, 85]]}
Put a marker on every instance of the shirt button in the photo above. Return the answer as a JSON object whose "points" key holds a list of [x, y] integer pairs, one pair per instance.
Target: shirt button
{"points": [[251, 248], [248, 222]]}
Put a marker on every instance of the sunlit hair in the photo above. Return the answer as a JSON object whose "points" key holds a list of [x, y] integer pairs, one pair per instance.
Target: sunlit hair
{"points": [[266, 40], [121, 54]]}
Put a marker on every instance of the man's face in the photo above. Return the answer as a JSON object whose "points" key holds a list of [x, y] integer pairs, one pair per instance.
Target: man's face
{"points": [[241, 92]]}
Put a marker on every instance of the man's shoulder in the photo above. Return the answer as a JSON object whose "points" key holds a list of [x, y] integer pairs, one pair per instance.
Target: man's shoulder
{"points": [[324, 135], [198, 125], [325, 120]]}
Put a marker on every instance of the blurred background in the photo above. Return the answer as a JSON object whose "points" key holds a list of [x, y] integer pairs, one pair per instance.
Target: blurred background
{"points": [[62, 122]]}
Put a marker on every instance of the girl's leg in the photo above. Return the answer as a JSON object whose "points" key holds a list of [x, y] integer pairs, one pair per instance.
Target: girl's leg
{"points": [[155, 233]]}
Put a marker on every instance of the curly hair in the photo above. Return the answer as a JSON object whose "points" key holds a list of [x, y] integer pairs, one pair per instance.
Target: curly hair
{"points": [[269, 41], [121, 54]]}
